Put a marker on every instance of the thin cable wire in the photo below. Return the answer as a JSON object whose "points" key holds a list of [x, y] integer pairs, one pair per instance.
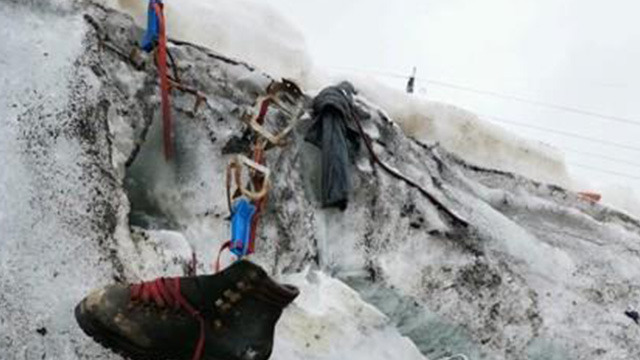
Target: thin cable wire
{"points": [[540, 103], [586, 153], [535, 102], [526, 125], [560, 132], [592, 168], [366, 71], [503, 96], [581, 137], [589, 167]]}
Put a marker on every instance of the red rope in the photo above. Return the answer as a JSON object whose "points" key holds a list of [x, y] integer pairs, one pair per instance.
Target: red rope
{"points": [[226, 245], [258, 157], [164, 83], [264, 107], [166, 292]]}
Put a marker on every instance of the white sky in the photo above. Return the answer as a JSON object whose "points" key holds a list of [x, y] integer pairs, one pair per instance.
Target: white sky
{"points": [[578, 53]]}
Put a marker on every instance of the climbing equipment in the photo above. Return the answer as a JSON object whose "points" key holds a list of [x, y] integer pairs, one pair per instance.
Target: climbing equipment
{"points": [[243, 211], [243, 205], [246, 205], [156, 35], [234, 170], [282, 95], [148, 42]]}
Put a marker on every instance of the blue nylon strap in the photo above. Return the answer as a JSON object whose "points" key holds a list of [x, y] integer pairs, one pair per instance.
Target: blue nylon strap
{"points": [[241, 217], [150, 37]]}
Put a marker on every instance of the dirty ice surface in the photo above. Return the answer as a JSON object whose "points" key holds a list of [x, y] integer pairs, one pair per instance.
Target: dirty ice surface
{"points": [[540, 274]]}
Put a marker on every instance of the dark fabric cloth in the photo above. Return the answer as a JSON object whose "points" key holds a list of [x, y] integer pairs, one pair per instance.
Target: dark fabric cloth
{"points": [[633, 315], [333, 132]]}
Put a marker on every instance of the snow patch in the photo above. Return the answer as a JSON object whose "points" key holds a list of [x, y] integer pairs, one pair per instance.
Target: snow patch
{"points": [[245, 29], [330, 321], [621, 197]]}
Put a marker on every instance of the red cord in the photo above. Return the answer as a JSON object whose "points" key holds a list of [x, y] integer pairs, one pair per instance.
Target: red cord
{"points": [[258, 158], [226, 245], [264, 107], [166, 292], [164, 83]]}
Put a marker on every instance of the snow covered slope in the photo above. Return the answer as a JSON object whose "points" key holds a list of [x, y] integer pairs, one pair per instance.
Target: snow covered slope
{"points": [[465, 134], [536, 274]]}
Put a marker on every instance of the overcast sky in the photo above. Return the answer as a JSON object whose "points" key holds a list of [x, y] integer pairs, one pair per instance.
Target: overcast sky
{"points": [[583, 54]]}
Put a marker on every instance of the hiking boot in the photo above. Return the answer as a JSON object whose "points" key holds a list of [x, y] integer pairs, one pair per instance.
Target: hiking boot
{"points": [[227, 316]]}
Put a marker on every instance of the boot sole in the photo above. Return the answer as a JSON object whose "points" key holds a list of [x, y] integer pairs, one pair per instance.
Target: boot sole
{"points": [[116, 343]]}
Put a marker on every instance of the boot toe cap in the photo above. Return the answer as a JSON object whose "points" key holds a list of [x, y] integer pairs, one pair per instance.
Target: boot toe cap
{"points": [[104, 304], [104, 314]]}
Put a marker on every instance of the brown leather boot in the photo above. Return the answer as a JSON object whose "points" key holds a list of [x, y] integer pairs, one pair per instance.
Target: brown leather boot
{"points": [[227, 316]]}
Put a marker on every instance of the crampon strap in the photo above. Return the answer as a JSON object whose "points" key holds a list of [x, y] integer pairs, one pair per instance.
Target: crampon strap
{"points": [[241, 220]]}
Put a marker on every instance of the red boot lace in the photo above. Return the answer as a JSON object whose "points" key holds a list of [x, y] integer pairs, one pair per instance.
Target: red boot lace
{"points": [[166, 292]]}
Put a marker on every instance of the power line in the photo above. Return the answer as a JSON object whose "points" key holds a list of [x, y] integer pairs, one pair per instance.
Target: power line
{"points": [[381, 73], [589, 167], [543, 104], [610, 158], [536, 102], [525, 125], [520, 80], [564, 133], [592, 168], [504, 96]]}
